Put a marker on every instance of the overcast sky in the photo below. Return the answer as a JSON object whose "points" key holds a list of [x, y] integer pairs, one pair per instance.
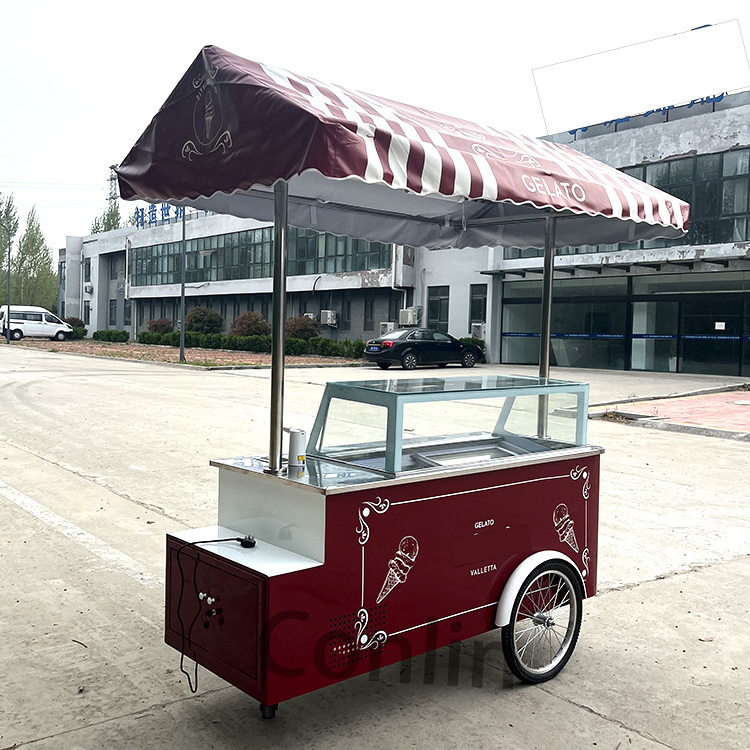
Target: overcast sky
{"points": [[81, 80]]}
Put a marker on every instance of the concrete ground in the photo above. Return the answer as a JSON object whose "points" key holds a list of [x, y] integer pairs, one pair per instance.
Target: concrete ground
{"points": [[100, 458]]}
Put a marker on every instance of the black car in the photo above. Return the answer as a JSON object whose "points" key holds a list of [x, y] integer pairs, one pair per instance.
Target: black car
{"points": [[410, 347]]}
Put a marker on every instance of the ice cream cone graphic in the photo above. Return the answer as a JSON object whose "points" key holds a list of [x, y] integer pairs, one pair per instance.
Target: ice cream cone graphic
{"points": [[399, 566], [564, 526]]}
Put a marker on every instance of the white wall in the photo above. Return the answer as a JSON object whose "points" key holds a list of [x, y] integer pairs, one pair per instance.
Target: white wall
{"points": [[457, 269]]}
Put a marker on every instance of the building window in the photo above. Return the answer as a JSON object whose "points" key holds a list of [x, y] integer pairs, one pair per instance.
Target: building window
{"points": [[113, 268], [369, 324], [128, 312], [61, 273], [717, 187], [87, 269], [345, 324], [113, 312], [437, 308], [477, 304], [248, 255], [86, 312]]}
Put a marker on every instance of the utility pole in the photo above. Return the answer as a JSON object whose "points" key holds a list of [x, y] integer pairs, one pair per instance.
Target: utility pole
{"points": [[113, 197]]}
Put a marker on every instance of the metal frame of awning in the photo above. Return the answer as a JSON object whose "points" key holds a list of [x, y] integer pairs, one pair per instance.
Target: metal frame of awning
{"points": [[273, 145], [280, 250]]}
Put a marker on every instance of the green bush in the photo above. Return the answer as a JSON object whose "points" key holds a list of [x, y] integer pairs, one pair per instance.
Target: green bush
{"points": [[119, 336], [325, 347], [230, 342], [148, 337], [212, 341], [250, 324], [259, 344], [160, 325], [204, 320], [295, 347], [192, 339], [78, 326], [301, 327], [470, 340], [352, 349]]}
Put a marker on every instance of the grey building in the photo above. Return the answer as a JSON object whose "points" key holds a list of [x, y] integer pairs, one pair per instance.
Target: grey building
{"points": [[125, 278], [677, 306]]}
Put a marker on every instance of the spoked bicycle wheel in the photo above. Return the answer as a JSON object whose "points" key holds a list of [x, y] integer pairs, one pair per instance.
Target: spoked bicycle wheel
{"points": [[545, 622]]}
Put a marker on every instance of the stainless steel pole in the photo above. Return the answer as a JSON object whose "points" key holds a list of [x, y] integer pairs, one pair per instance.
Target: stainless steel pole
{"points": [[549, 269], [545, 336], [182, 290], [280, 211]]}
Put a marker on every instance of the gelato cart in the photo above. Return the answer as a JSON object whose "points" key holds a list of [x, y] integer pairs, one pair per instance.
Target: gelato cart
{"points": [[421, 511], [425, 511]]}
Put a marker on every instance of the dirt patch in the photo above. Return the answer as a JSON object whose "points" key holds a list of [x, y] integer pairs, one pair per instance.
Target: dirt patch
{"points": [[615, 416], [199, 357]]}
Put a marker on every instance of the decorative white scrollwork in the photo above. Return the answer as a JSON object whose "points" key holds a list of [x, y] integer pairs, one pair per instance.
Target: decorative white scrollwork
{"points": [[209, 133], [505, 154], [189, 149], [471, 134], [586, 557], [364, 640], [209, 74], [379, 505], [224, 142], [579, 472]]}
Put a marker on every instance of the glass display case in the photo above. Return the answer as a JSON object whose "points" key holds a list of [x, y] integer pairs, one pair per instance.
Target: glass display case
{"points": [[407, 425]]}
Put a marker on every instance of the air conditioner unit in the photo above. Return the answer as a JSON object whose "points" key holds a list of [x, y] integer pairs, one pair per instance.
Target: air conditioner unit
{"points": [[478, 330], [88, 288], [386, 327], [328, 317], [409, 316], [312, 316]]}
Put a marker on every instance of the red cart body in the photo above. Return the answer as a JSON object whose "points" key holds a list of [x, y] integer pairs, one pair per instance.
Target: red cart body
{"points": [[407, 564]]}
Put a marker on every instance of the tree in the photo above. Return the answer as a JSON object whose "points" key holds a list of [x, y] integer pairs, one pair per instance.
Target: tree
{"points": [[33, 280], [301, 327], [9, 217], [250, 324], [108, 220], [203, 320], [160, 325]]}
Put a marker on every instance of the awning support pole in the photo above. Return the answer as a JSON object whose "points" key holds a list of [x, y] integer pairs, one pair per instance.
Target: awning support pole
{"points": [[546, 323], [183, 264], [280, 235]]}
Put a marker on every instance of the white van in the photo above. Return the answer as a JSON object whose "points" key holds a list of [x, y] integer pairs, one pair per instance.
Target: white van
{"points": [[33, 321]]}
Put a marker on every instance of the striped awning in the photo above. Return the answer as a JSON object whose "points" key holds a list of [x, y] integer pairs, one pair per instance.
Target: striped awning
{"points": [[363, 166]]}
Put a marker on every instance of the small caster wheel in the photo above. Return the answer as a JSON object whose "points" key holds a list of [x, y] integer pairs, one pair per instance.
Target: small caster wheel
{"points": [[268, 712]]}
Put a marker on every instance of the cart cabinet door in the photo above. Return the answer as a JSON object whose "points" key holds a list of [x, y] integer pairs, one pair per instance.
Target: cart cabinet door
{"points": [[213, 608]]}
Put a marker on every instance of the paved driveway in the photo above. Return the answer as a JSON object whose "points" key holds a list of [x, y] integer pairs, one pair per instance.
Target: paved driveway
{"points": [[99, 459]]}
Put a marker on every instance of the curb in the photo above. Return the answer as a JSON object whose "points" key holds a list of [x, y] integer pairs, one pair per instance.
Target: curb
{"points": [[662, 423], [700, 392]]}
